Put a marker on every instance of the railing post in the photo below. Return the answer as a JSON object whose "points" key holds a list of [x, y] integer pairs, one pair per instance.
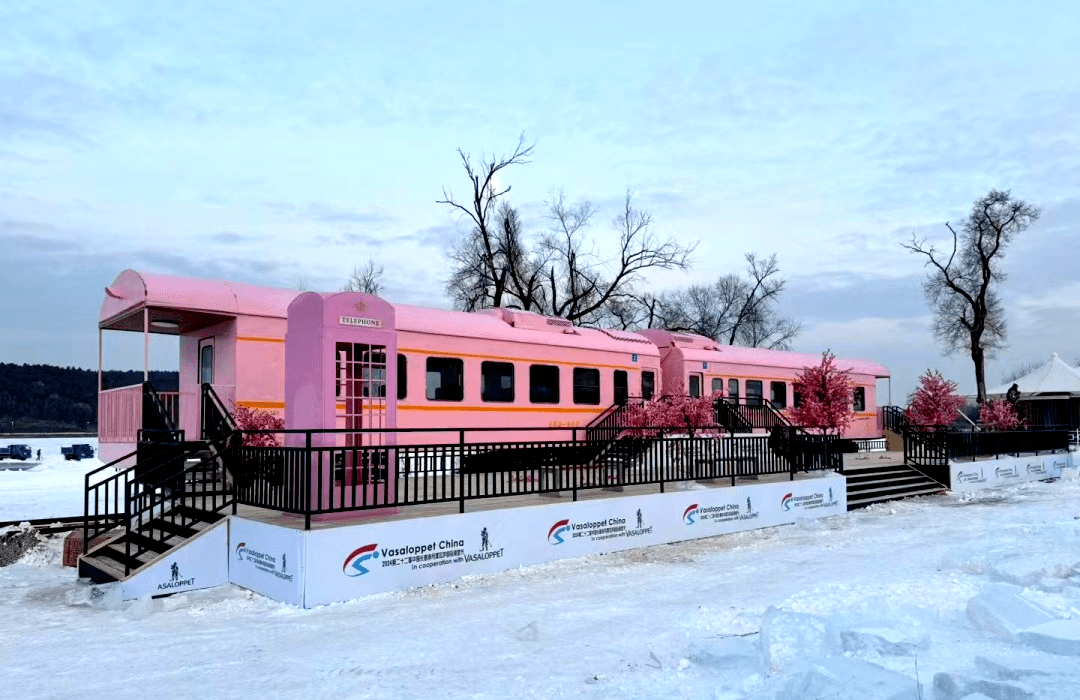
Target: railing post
{"points": [[663, 459], [307, 480], [86, 514], [461, 472]]}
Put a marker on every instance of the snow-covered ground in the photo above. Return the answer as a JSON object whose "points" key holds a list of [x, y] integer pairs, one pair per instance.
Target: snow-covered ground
{"points": [[867, 605], [52, 489]]}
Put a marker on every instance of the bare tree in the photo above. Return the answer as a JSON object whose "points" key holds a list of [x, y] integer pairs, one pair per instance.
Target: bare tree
{"points": [[581, 283], [733, 310], [961, 288], [481, 275], [365, 279]]}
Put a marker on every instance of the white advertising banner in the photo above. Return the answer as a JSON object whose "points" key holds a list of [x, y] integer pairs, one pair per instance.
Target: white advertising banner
{"points": [[996, 473], [267, 559], [199, 563], [351, 562]]}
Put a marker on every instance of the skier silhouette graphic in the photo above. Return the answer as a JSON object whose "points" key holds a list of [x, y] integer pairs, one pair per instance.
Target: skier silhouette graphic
{"points": [[484, 544], [175, 572], [283, 562], [640, 522], [748, 506]]}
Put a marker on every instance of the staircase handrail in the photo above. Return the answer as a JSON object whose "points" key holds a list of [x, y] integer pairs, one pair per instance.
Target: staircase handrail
{"points": [[151, 395], [223, 416], [153, 495]]}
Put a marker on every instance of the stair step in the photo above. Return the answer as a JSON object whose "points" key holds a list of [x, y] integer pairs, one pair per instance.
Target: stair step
{"points": [[890, 481], [99, 570], [147, 543], [172, 528], [118, 555], [190, 513], [862, 502], [897, 488]]}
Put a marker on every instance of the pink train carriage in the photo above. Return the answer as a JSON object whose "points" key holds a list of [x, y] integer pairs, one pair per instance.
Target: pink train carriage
{"points": [[351, 360]]}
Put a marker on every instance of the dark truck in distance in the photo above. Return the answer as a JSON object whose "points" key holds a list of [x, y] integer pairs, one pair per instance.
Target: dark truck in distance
{"points": [[21, 452], [77, 452]]}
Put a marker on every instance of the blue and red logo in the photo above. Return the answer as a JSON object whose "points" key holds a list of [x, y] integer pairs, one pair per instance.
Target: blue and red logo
{"points": [[240, 551], [689, 514], [785, 502], [557, 530], [354, 563]]}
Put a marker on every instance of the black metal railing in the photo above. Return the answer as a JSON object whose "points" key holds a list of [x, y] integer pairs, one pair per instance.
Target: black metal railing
{"points": [[309, 477], [215, 419], [729, 415], [991, 443], [154, 414], [893, 418]]}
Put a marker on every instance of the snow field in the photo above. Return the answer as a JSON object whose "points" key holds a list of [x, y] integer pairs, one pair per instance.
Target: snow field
{"points": [[939, 598]]}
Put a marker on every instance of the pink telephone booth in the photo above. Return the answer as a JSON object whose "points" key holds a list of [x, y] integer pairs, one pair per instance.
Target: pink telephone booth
{"points": [[340, 362]]}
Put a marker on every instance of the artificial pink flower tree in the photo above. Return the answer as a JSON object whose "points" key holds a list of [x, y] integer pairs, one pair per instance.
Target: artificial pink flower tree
{"points": [[826, 398], [935, 403], [258, 419], [998, 415]]}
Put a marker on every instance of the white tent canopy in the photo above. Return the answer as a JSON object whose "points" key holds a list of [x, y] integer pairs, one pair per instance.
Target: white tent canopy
{"points": [[1054, 377]]}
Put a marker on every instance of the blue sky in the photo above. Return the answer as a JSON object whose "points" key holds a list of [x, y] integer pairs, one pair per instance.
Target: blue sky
{"points": [[267, 142]]}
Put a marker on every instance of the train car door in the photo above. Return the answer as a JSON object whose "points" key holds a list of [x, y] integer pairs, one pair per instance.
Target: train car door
{"points": [[206, 373], [694, 388]]}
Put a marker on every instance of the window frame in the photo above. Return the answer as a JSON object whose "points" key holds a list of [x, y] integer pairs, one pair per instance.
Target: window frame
{"points": [[483, 381], [428, 371], [772, 395], [533, 385], [579, 386]]}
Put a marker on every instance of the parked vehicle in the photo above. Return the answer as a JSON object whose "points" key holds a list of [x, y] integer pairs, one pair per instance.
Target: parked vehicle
{"points": [[77, 452], [21, 452]]}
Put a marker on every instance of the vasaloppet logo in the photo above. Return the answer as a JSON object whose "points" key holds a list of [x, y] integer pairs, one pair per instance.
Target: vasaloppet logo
{"points": [[557, 531], [240, 551], [354, 563], [785, 502], [689, 514]]}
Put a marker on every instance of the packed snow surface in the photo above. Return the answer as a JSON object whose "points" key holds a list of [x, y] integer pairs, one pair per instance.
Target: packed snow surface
{"points": [[936, 598], [53, 488]]}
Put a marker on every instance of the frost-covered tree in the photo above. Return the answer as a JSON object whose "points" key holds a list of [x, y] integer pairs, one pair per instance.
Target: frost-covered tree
{"points": [[935, 402], [825, 397]]}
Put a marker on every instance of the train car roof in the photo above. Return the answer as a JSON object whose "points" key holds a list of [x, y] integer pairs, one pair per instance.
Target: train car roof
{"points": [[699, 348], [517, 326]]}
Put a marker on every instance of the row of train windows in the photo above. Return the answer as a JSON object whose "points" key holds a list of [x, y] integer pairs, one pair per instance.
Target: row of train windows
{"points": [[755, 387], [445, 381]]}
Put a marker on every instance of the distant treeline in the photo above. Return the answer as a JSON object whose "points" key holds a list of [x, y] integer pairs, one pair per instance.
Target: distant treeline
{"points": [[48, 399]]}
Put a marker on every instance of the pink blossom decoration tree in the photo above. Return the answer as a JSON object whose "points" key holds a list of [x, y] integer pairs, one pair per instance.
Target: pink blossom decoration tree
{"points": [[998, 415], [258, 419], [826, 398], [673, 414], [935, 403]]}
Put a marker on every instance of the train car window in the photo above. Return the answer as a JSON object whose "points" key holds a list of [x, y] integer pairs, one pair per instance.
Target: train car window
{"points": [[621, 389], [497, 381], [402, 376], [543, 384], [717, 385], [586, 385], [695, 385], [445, 379], [733, 390], [860, 398], [778, 390], [648, 385], [754, 392]]}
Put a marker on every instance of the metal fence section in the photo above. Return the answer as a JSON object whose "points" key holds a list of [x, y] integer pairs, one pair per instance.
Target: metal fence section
{"points": [[316, 479]]}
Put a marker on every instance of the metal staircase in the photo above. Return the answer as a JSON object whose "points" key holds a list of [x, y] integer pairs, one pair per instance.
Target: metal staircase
{"points": [[174, 490]]}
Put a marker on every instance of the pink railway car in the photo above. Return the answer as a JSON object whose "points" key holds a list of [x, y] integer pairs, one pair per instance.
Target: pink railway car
{"points": [[351, 360], [700, 366]]}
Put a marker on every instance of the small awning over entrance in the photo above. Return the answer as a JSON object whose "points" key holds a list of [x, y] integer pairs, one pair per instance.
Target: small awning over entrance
{"points": [[177, 305]]}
